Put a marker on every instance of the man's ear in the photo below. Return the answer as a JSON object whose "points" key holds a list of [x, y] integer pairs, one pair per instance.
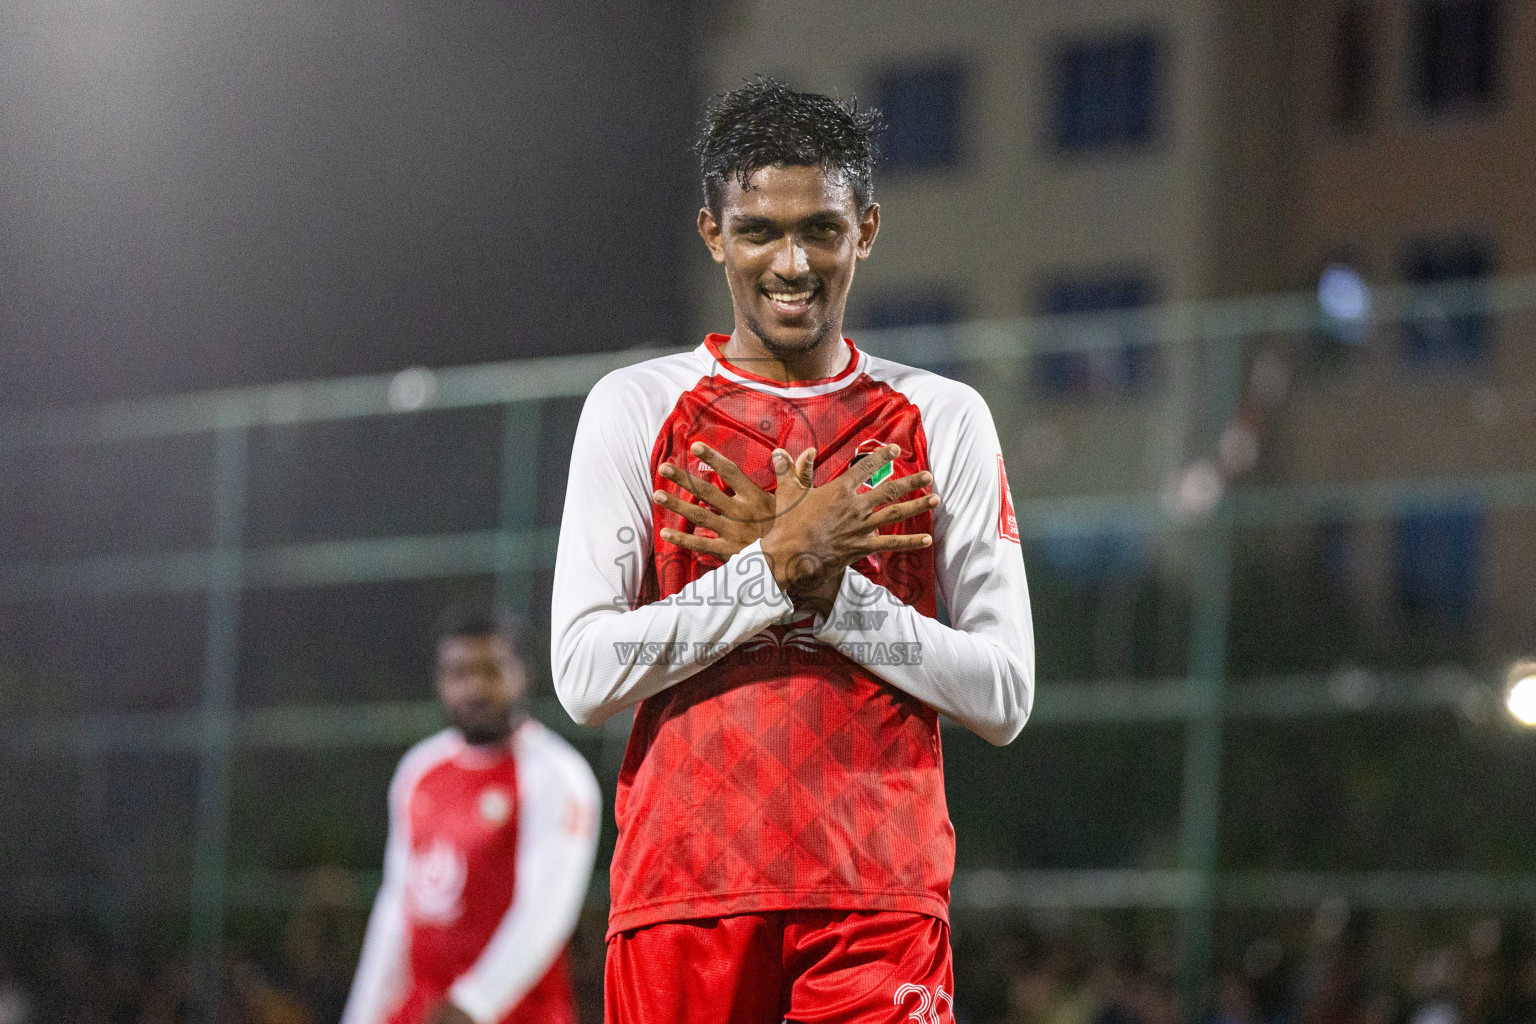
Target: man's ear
{"points": [[709, 230], [869, 227]]}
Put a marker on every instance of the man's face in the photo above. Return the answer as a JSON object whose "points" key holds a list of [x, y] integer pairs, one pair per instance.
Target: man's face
{"points": [[789, 243], [480, 682]]}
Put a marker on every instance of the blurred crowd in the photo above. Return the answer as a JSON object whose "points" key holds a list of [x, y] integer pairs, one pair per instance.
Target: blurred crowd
{"points": [[72, 972], [1340, 970], [1352, 972], [290, 967]]}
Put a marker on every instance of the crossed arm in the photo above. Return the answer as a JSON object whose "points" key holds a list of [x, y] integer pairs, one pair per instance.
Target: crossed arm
{"points": [[612, 645], [809, 534]]}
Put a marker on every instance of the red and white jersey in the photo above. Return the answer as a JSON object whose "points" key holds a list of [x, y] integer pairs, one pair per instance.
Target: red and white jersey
{"points": [[489, 855], [780, 760]]}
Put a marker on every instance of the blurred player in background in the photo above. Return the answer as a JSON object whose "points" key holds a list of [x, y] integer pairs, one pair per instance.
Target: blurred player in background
{"points": [[493, 828], [784, 848]]}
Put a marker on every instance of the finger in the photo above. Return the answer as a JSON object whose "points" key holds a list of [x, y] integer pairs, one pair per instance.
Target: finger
{"points": [[784, 469], [890, 490], [698, 487], [696, 514], [865, 466], [903, 510], [877, 542], [720, 548], [728, 471], [805, 468]]}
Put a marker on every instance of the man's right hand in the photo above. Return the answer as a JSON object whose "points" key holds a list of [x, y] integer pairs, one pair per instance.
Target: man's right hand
{"points": [[820, 531]]}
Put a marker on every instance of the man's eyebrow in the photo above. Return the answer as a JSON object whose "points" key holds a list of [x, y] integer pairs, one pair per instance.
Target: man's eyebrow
{"points": [[824, 217], [752, 223]]}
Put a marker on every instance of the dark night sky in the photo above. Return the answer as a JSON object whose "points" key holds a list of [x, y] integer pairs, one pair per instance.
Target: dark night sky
{"points": [[198, 193]]}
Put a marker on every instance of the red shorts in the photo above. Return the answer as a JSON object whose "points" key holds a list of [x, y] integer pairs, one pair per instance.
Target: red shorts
{"points": [[807, 966]]}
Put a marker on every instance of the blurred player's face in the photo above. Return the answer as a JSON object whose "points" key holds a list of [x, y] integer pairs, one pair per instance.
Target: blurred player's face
{"points": [[789, 243], [481, 683]]}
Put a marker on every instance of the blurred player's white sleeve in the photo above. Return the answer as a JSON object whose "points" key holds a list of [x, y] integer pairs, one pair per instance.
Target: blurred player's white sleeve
{"points": [[608, 651], [557, 824], [981, 670], [382, 969]]}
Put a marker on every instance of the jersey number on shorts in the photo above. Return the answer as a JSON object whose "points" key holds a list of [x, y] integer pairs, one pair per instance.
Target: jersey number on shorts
{"points": [[927, 1011]]}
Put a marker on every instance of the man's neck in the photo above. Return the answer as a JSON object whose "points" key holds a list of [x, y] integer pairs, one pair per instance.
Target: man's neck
{"points": [[826, 359]]}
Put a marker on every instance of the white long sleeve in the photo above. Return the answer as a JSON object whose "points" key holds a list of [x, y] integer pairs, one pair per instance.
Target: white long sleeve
{"points": [[980, 671], [557, 829], [607, 650]]}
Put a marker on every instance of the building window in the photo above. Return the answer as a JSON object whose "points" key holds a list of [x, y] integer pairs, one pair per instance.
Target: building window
{"points": [[1455, 54], [1440, 329], [1354, 68], [1106, 92], [1121, 363], [1435, 562], [922, 114]]}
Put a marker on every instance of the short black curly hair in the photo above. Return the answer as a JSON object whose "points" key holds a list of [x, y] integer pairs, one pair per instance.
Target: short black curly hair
{"points": [[765, 123]]}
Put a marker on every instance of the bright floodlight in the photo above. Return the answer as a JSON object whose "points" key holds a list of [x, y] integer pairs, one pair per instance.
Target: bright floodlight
{"points": [[1343, 294], [1522, 694]]}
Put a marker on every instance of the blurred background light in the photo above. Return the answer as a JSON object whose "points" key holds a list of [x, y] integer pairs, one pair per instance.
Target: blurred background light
{"points": [[1521, 700], [1343, 294], [1195, 492], [412, 388]]}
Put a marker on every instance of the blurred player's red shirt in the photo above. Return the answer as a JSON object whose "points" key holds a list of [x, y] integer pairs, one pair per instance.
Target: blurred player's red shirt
{"points": [[490, 850], [781, 761]]}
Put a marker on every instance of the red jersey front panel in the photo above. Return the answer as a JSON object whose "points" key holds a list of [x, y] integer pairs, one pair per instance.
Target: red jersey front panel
{"points": [[784, 775], [463, 865]]}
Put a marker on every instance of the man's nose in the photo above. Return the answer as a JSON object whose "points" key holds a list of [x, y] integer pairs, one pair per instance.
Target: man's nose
{"points": [[791, 262]]}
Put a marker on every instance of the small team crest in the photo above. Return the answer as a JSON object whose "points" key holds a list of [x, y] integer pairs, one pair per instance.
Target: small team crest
{"points": [[495, 806], [884, 472]]}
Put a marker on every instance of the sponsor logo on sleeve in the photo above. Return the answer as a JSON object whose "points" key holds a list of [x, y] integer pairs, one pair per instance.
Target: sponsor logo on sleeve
{"points": [[1007, 522]]}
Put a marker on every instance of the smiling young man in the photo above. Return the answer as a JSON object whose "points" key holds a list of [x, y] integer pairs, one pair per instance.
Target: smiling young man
{"points": [[756, 539]]}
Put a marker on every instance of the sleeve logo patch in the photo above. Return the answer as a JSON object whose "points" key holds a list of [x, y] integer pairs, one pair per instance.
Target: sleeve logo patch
{"points": [[1007, 522]]}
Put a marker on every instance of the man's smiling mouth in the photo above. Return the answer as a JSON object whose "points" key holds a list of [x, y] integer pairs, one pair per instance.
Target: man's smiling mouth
{"points": [[791, 301]]}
